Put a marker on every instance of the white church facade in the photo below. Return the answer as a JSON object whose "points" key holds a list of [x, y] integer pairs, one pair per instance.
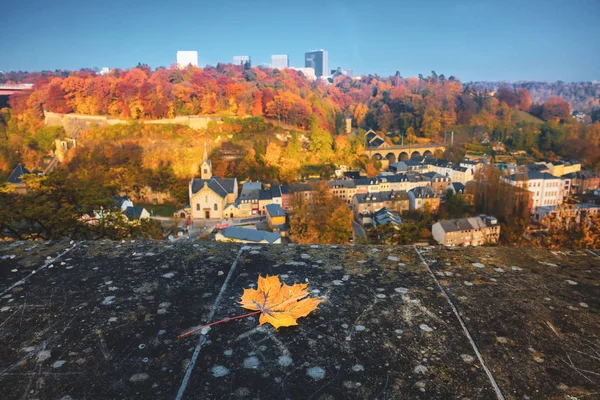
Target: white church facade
{"points": [[211, 197]]}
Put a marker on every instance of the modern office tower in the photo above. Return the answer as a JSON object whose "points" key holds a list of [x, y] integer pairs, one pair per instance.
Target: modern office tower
{"points": [[185, 58], [280, 61], [318, 61], [241, 60]]}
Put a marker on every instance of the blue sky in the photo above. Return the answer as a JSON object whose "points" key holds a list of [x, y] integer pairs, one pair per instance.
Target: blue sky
{"points": [[471, 39]]}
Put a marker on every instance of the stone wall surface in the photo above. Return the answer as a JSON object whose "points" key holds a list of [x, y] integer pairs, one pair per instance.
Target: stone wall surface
{"points": [[75, 123], [102, 319]]}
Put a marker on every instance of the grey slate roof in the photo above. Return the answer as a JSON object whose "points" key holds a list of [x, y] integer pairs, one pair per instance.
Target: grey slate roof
{"points": [[301, 187], [393, 178], [423, 192], [463, 224], [458, 187], [247, 186], [221, 186], [433, 175], [583, 174], [15, 177], [384, 216], [399, 166], [439, 162], [416, 177], [377, 142], [342, 183], [537, 167], [352, 174], [366, 181], [379, 197], [532, 175], [265, 195], [235, 232], [275, 210], [370, 135], [119, 200], [133, 213]]}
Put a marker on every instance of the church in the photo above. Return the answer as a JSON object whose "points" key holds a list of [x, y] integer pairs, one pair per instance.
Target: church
{"points": [[211, 196]]}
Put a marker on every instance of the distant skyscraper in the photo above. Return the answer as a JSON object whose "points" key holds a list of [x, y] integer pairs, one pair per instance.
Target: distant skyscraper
{"points": [[185, 58], [241, 60], [318, 61], [280, 61]]}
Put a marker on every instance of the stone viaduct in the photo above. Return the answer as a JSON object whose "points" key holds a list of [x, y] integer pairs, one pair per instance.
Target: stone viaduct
{"points": [[400, 153]]}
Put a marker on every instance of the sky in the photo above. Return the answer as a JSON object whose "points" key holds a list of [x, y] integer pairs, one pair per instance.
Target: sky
{"points": [[544, 40]]}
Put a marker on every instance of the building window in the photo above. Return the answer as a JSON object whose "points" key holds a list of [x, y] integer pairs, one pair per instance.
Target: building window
{"points": [[205, 171], [198, 207], [216, 207]]}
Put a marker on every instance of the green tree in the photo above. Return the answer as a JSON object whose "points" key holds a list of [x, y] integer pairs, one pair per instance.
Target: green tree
{"points": [[58, 206], [455, 204]]}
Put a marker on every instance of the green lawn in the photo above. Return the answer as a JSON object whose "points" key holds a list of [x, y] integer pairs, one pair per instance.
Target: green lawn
{"points": [[160, 210], [519, 116]]}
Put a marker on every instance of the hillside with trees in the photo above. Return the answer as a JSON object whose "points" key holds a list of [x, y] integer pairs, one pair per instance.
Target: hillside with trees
{"points": [[273, 125], [582, 96]]}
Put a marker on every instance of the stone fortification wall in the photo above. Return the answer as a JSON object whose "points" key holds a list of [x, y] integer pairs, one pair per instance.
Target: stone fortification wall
{"points": [[74, 124]]}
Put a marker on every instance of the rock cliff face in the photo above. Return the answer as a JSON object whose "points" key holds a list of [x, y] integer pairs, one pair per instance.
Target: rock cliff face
{"points": [[101, 320]]}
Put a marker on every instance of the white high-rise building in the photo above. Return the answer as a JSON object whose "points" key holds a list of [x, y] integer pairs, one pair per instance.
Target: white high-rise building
{"points": [[309, 73], [280, 61], [241, 60], [185, 58]]}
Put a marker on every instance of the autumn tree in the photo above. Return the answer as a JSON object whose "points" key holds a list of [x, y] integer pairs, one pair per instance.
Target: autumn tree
{"points": [[431, 126], [524, 99], [359, 114], [320, 143], [272, 155], [556, 109], [323, 218], [257, 107]]}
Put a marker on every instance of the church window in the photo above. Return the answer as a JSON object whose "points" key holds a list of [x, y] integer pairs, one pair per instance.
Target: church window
{"points": [[198, 207], [216, 207]]}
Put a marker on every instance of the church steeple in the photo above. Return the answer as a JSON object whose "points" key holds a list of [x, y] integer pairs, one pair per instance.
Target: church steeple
{"points": [[205, 167]]}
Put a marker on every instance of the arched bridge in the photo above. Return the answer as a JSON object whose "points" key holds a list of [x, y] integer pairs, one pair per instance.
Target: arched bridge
{"points": [[11, 88], [406, 152]]}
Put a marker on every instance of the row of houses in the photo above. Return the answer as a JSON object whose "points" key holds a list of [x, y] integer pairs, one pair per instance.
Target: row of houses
{"points": [[213, 197], [462, 172]]}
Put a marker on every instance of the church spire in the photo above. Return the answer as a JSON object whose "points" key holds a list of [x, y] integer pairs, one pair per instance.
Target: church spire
{"points": [[206, 167]]}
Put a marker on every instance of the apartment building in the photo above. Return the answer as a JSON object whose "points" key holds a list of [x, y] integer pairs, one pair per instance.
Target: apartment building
{"points": [[473, 231], [546, 189], [422, 198], [371, 202], [343, 189]]}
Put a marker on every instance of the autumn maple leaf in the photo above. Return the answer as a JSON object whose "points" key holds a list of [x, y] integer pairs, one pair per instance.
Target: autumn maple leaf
{"points": [[279, 304]]}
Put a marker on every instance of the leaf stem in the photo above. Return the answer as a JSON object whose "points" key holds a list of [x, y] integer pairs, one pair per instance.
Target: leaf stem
{"points": [[218, 322]]}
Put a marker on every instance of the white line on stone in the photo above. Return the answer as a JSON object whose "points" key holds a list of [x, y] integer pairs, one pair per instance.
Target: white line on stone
{"points": [[202, 339], [47, 263], [465, 329]]}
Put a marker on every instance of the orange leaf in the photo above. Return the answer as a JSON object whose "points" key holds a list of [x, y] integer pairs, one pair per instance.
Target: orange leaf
{"points": [[280, 304]]}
